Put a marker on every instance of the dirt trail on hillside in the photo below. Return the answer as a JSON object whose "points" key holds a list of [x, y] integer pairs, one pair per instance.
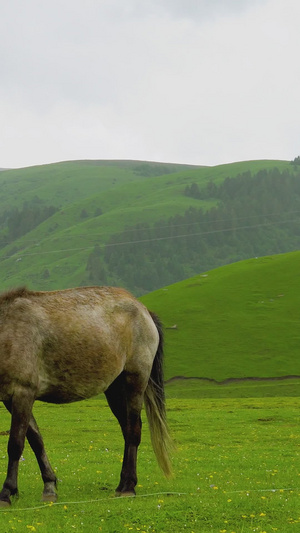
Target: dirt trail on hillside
{"points": [[231, 380]]}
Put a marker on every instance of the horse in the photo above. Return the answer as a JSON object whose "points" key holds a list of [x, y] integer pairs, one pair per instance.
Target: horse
{"points": [[68, 345]]}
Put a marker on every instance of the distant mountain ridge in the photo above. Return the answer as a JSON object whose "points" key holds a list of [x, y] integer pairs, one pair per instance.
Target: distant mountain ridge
{"points": [[141, 224]]}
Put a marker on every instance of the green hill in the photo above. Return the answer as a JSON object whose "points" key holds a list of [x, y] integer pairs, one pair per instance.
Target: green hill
{"points": [[61, 244], [139, 224], [240, 320]]}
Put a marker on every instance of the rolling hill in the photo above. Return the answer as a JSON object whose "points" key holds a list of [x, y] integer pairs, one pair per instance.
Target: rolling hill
{"points": [[239, 320], [112, 222]]}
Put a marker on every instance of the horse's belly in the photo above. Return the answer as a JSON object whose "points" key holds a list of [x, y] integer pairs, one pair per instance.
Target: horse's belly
{"points": [[61, 394], [69, 379]]}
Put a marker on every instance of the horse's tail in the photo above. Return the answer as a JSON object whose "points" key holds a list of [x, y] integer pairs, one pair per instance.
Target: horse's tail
{"points": [[155, 407]]}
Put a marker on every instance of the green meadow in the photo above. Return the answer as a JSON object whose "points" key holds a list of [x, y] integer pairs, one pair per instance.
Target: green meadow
{"points": [[236, 469]]}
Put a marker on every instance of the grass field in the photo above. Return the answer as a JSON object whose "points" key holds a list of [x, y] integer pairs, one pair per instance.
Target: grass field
{"points": [[236, 467], [239, 320]]}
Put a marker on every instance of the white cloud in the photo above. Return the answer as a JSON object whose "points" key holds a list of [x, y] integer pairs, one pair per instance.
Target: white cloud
{"points": [[187, 81]]}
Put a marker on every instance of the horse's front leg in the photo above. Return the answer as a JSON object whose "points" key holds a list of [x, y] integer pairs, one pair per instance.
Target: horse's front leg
{"points": [[49, 478], [21, 406], [36, 442]]}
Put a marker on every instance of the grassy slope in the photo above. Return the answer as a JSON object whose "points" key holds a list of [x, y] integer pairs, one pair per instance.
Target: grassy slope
{"points": [[125, 195], [63, 183], [237, 321], [72, 186]]}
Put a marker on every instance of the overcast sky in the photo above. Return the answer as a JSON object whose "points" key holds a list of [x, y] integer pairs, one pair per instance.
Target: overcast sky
{"points": [[189, 81]]}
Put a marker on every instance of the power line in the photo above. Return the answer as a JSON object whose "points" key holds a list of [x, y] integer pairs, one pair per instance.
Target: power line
{"points": [[154, 239], [131, 230], [97, 500], [150, 495]]}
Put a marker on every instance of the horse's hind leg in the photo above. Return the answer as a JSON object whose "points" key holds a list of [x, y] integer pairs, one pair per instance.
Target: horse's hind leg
{"points": [[20, 406], [125, 400], [36, 442]]}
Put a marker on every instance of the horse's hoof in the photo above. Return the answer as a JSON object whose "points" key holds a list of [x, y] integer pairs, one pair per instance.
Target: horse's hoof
{"points": [[5, 503], [126, 494], [49, 497]]}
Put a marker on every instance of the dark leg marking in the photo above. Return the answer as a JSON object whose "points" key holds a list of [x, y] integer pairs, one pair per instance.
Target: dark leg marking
{"points": [[36, 442], [125, 401], [20, 407]]}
